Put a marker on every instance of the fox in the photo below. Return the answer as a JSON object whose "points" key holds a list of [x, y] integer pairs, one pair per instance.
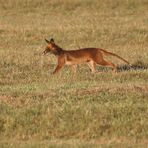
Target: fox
{"points": [[91, 56]]}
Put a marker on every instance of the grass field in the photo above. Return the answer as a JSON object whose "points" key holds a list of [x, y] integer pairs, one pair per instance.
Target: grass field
{"points": [[104, 109]]}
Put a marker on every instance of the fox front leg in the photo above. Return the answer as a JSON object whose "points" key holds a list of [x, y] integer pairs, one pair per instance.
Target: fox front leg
{"points": [[58, 67], [60, 64]]}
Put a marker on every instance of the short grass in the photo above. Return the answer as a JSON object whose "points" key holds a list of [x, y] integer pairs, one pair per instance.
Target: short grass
{"points": [[105, 109]]}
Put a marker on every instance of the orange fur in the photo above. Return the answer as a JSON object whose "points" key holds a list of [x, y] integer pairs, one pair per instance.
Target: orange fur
{"points": [[91, 56]]}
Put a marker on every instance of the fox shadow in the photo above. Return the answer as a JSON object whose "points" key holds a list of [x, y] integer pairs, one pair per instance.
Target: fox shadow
{"points": [[136, 66]]}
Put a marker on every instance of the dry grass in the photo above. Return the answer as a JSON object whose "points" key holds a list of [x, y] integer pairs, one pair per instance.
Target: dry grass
{"points": [[103, 109]]}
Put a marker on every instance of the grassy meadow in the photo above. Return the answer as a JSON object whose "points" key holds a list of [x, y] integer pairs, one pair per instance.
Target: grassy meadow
{"points": [[105, 109]]}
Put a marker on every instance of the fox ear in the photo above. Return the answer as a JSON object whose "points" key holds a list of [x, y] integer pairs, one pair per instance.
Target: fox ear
{"points": [[47, 41], [51, 40]]}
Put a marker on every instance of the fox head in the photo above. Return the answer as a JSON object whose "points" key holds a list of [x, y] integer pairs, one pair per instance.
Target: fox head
{"points": [[52, 47]]}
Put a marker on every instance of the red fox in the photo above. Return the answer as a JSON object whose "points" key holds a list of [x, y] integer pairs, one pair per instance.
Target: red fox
{"points": [[91, 56]]}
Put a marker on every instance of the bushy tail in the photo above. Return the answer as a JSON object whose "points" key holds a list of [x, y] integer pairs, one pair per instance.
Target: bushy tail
{"points": [[113, 54]]}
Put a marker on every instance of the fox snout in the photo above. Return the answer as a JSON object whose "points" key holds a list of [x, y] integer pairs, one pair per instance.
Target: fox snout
{"points": [[46, 51]]}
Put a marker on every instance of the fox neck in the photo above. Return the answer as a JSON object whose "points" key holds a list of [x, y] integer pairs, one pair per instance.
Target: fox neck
{"points": [[58, 51]]}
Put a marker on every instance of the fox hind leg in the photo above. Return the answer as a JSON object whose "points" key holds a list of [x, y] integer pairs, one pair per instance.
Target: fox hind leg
{"points": [[92, 66], [74, 68], [107, 63]]}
